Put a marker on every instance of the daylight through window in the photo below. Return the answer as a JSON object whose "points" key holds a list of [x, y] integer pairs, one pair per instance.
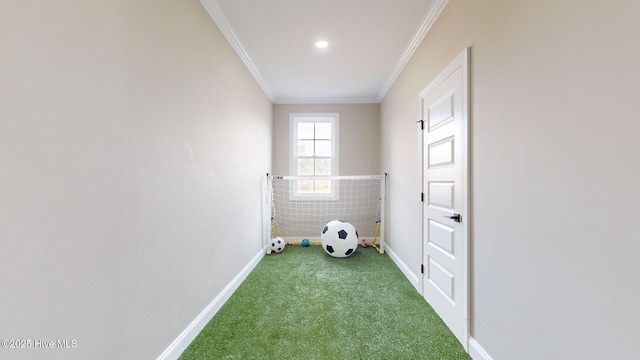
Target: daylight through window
{"points": [[314, 151]]}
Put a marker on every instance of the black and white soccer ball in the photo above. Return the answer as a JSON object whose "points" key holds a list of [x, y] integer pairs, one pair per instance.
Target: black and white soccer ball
{"points": [[339, 238], [277, 244]]}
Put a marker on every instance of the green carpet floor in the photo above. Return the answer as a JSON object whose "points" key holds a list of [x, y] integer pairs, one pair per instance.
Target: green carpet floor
{"points": [[303, 304]]}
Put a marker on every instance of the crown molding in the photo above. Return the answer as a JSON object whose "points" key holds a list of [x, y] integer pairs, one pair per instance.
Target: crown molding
{"points": [[214, 11], [325, 100], [428, 21], [211, 6]]}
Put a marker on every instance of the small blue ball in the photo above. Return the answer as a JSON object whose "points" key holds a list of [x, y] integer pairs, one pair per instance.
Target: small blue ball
{"points": [[305, 242]]}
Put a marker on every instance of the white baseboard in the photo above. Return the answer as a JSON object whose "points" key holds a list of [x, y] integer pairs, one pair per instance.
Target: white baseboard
{"points": [[186, 337], [415, 280], [476, 351]]}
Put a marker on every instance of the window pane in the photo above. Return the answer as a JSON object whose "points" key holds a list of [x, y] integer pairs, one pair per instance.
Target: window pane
{"points": [[305, 147], [305, 186], [323, 186], [305, 167], [313, 151], [323, 167], [323, 130], [305, 130], [323, 148]]}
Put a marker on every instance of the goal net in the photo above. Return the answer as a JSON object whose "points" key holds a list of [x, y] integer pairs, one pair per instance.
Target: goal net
{"points": [[301, 206]]}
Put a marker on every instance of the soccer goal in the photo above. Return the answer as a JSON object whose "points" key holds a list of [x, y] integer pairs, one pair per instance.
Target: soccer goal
{"points": [[300, 207]]}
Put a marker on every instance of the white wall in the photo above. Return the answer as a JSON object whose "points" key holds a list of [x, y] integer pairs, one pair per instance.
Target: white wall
{"points": [[359, 145], [132, 145], [554, 172]]}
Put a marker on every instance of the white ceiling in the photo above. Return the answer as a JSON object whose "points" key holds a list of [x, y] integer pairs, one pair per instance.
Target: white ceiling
{"points": [[370, 41]]}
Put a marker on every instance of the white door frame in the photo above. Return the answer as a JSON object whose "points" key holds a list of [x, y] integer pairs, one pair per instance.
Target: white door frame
{"points": [[460, 61]]}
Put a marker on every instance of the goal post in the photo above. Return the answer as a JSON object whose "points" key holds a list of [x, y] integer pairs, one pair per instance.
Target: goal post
{"points": [[300, 206]]}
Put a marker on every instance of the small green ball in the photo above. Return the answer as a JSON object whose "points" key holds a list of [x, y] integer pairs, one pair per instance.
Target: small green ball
{"points": [[305, 242]]}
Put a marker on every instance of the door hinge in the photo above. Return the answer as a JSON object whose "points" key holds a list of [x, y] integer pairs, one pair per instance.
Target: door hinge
{"points": [[421, 268], [422, 197]]}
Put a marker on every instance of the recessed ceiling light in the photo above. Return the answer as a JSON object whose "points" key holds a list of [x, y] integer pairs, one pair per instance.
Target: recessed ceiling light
{"points": [[322, 44]]}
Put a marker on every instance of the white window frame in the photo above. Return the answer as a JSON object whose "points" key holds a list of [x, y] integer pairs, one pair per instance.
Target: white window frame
{"points": [[294, 120]]}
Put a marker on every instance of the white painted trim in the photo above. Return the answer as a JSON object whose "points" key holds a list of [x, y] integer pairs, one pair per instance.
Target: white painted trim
{"points": [[477, 352], [186, 337], [334, 120], [218, 17], [428, 21], [413, 278], [325, 100]]}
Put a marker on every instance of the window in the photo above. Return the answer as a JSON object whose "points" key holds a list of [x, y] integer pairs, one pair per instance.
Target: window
{"points": [[314, 151]]}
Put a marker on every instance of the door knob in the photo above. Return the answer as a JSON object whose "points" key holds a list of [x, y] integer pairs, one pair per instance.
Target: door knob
{"points": [[454, 217]]}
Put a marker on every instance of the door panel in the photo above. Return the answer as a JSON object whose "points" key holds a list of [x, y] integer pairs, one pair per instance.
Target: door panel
{"points": [[441, 194], [441, 237], [441, 153], [441, 112], [442, 279]]}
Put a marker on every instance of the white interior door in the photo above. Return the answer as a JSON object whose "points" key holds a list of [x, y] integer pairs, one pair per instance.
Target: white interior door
{"points": [[445, 215]]}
